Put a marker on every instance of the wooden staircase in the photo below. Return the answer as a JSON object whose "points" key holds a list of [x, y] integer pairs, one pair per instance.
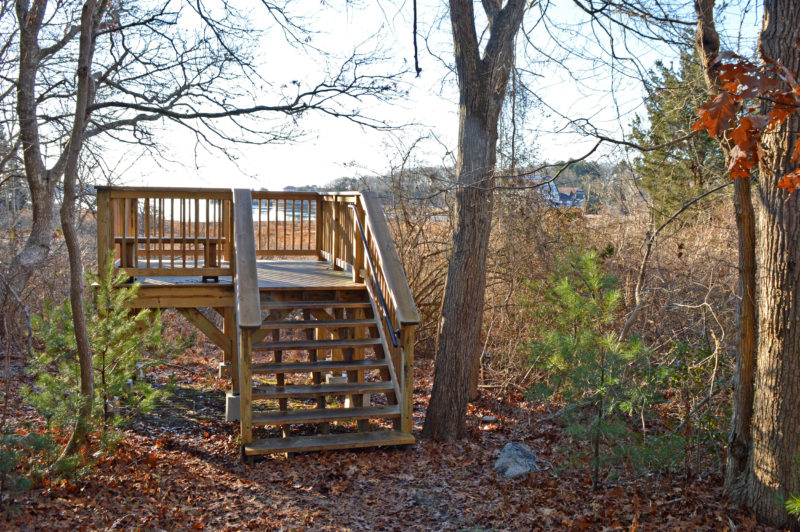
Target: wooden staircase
{"points": [[334, 364], [329, 381], [319, 351]]}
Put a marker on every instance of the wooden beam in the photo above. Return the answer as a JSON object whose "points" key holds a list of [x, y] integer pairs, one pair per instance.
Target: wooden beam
{"points": [[231, 331], [407, 343], [208, 328], [245, 386], [104, 243]]}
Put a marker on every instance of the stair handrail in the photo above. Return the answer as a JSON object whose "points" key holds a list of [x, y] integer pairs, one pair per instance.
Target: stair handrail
{"points": [[248, 309], [392, 333], [405, 309]]}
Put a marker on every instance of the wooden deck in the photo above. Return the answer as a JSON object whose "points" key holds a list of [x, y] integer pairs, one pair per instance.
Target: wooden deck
{"points": [[347, 309], [274, 275]]}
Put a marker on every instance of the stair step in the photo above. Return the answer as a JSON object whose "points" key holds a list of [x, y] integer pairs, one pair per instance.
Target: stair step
{"points": [[311, 324], [323, 442], [316, 344], [321, 415], [319, 390], [289, 305], [321, 366]]}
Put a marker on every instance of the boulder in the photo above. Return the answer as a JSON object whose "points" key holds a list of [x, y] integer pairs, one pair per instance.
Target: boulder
{"points": [[516, 459]]}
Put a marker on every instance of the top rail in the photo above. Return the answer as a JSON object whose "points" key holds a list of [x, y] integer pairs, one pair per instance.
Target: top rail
{"points": [[392, 332], [165, 192], [395, 278], [245, 283]]}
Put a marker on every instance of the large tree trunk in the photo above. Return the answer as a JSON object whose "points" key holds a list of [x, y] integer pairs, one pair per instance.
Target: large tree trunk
{"points": [[773, 462], [482, 83], [462, 310], [739, 441], [41, 182]]}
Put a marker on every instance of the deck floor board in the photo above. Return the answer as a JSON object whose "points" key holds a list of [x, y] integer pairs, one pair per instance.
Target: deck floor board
{"points": [[274, 275]]}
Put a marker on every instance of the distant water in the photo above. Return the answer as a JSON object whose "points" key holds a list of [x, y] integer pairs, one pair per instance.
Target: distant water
{"points": [[280, 215]]}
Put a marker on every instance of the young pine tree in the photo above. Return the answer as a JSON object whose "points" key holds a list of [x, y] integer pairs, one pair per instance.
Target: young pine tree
{"points": [[123, 343], [578, 352]]}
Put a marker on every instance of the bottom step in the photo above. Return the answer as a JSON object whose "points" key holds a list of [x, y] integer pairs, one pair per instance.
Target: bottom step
{"points": [[323, 442]]}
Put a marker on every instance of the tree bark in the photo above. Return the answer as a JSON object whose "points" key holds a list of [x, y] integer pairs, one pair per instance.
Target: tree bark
{"points": [[482, 85], [68, 207], [739, 440], [773, 463], [42, 183]]}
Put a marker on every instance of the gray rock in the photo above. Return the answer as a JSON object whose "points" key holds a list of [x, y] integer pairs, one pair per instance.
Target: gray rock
{"points": [[516, 459], [488, 419]]}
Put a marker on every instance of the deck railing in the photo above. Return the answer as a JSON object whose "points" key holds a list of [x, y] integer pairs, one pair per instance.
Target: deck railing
{"points": [[285, 223], [215, 232], [165, 231], [343, 246]]}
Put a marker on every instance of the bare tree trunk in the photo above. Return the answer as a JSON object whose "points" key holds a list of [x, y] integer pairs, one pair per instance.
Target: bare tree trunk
{"points": [[773, 462], [739, 440], [462, 309], [41, 182], [482, 85], [68, 208]]}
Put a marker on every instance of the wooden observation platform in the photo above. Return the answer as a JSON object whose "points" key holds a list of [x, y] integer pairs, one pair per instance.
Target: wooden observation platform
{"points": [[317, 316]]}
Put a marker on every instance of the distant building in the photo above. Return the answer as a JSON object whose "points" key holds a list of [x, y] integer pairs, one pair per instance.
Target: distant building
{"points": [[545, 187], [571, 197], [554, 195]]}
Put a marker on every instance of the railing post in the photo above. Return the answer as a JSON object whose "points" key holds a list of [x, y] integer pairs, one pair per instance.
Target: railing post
{"points": [[227, 230], [358, 245], [407, 342], [246, 384], [248, 311], [319, 227], [335, 233], [230, 328], [104, 232]]}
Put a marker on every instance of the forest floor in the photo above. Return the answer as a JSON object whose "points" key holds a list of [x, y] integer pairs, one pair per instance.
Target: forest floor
{"points": [[179, 467]]}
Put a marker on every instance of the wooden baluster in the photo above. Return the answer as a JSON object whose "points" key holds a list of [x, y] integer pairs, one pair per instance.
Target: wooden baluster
{"points": [[285, 246], [259, 246], [319, 223], [268, 244], [160, 231], [124, 260], [207, 246], [196, 250], [147, 231], [293, 204], [302, 215], [335, 235]]}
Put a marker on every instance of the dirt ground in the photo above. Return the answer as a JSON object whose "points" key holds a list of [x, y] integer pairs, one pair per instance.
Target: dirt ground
{"points": [[179, 468]]}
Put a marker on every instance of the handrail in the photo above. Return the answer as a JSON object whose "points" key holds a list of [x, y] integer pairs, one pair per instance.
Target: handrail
{"points": [[172, 192], [405, 309], [392, 332], [245, 279]]}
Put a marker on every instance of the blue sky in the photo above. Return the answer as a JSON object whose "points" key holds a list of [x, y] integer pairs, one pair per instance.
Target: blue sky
{"points": [[575, 87]]}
